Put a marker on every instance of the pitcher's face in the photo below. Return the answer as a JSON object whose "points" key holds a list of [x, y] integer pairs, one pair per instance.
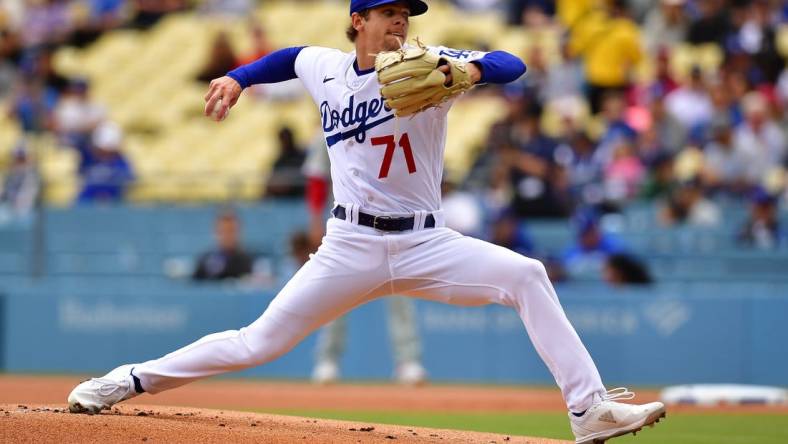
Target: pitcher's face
{"points": [[386, 27]]}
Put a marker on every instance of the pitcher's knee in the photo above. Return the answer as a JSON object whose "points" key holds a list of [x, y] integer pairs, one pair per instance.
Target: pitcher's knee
{"points": [[530, 270], [521, 274]]}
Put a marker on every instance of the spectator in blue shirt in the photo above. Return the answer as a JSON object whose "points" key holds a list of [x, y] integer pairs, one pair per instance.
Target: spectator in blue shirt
{"points": [[540, 185], [507, 231], [762, 229], [33, 105], [592, 246], [104, 169]]}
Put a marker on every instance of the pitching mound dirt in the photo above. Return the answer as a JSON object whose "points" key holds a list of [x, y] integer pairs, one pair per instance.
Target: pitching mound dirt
{"points": [[152, 424]]}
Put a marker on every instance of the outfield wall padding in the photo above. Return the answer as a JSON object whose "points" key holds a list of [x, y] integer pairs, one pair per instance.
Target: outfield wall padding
{"points": [[669, 334]]}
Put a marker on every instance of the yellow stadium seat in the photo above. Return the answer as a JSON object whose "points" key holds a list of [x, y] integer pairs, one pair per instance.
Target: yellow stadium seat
{"points": [[556, 113], [58, 167], [708, 57], [782, 40], [514, 40], [468, 124], [10, 134]]}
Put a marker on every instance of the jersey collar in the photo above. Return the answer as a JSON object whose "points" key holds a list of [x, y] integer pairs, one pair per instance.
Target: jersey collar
{"points": [[360, 72]]}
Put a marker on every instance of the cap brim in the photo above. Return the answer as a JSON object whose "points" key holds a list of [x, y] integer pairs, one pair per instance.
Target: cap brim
{"points": [[417, 7]]}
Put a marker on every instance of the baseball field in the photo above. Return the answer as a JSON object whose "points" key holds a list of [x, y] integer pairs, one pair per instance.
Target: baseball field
{"points": [[33, 409]]}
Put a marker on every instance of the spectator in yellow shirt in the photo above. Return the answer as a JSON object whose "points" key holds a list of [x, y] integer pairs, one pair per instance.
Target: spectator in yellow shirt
{"points": [[609, 43], [572, 12]]}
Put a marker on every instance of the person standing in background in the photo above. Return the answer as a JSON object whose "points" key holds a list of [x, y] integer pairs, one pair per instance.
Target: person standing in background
{"points": [[401, 311], [286, 179], [762, 230], [220, 60], [105, 171], [609, 44], [227, 260], [21, 184], [261, 46]]}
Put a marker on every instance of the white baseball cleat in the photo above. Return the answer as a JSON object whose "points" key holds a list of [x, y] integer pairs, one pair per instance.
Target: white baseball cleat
{"points": [[411, 373], [325, 372], [607, 418], [97, 394]]}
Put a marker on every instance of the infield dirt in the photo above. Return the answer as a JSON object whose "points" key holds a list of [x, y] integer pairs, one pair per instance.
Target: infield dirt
{"points": [[152, 424], [33, 409], [35, 412]]}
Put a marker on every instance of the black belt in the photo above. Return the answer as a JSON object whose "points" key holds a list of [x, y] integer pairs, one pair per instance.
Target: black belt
{"points": [[384, 223]]}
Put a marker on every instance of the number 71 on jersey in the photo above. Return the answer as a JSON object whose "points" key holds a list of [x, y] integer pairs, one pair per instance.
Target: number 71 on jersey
{"points": [[389, 142]]}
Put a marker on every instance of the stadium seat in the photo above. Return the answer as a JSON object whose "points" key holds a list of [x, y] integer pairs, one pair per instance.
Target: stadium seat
{"points": [[782, 40], [683, 57]]}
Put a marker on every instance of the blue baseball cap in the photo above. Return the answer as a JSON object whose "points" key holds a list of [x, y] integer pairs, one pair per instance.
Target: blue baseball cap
{"points": [[586, 219], [417, 7]]}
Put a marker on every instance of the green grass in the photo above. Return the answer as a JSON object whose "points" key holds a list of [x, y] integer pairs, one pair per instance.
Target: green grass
{"points": [[676, 429]]}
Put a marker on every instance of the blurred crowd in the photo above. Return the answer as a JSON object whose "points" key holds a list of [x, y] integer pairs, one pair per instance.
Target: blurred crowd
{"points": [[624, 136], [628, 109], [684, 140], [43, 101]]}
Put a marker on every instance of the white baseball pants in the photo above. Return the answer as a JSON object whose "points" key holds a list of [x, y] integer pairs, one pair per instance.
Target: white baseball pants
{"points": [[356, 264]]}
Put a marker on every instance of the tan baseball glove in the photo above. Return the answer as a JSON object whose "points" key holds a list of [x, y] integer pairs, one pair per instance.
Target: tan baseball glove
{"points": [[410, 81]]}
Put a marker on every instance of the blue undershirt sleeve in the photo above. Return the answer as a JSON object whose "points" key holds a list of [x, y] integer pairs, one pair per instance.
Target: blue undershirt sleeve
{"points": [[500, 67], [275, 67]]}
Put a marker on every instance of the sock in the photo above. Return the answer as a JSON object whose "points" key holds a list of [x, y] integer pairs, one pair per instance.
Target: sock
{"points": [[576, 414], [137, 385]]}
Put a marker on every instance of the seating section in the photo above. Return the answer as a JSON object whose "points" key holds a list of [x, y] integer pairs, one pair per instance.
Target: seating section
{"points": [[146, 79]]}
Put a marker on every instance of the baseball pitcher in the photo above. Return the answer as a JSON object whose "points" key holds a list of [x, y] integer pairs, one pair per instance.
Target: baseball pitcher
{"points": [[384, 109]]}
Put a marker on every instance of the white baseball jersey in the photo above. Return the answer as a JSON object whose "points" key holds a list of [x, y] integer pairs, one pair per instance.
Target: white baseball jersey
{"points": [[385, 165]]}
